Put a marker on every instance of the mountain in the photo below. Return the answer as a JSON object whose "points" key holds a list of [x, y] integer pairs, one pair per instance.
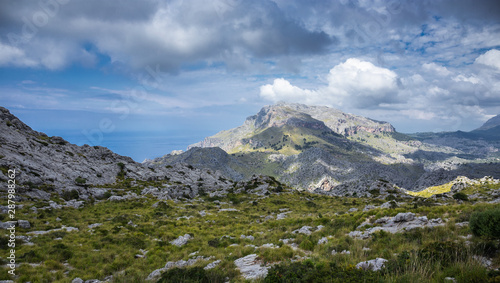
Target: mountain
{"points": [[50, 166], [325, 150], [86, 214], [283, 115], [490, 124]]}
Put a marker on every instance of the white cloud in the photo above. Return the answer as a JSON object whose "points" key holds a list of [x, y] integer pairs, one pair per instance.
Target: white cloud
{"points": [[13, 56], [490, 58], [418, 114], [437, 69], [471, 79], [353, 83]]}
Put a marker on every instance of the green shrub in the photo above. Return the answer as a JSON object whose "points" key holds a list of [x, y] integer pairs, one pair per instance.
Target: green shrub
{"points": [[80, 181], [31, 256], [306, 245], [460, 196], [486, 223], [192, 275], [308, 271], [214, 242], [446, 252], [69, 195], [60, 252]]}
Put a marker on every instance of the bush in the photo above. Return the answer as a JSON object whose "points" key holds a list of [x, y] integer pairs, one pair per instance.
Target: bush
{"points": [[214, 242], [60, 252], [486, 223], [192, 275], [446, 252], [80, 181], [460, 196], [308, 271], [69, 195], [306, 245]]}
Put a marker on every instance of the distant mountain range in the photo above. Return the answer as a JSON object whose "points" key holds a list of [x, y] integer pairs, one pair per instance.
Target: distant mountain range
{"points": [[307, 147], [325, 150]]}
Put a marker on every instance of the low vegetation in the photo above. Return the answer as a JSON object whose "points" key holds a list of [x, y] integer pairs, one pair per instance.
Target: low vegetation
{"points": [[130, 239]]}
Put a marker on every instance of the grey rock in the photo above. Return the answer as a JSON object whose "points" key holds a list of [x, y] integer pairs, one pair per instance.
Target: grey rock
{"points": [[369, 207], [227, 209], [269, 246], [67, 229], [38, 194], [181, 240], [98, 193], [24, 224], [483, 260], [249, 237], [95, 225], [404, 217], [9, 224], [250, 268], [212, 265], [269, 217], [323, 240], [398, 223], [303, 230], [373, 264], [156, 274], [77, 280], [282, 215]]}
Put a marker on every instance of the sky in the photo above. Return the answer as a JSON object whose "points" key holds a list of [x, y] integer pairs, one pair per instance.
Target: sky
{"points": [[144, 78]]}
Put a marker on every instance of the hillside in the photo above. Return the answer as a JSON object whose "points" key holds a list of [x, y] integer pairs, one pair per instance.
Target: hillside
{"points": [[50, 166], [86, 214], [324, 150]]}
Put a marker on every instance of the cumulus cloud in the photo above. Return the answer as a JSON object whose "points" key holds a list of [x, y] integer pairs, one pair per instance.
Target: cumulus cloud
{"points": [[355, 83], [456, 97], [490, 58]]}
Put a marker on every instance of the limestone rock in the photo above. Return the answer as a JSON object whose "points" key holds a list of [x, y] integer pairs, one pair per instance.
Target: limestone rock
{"points": [[24, 224], [181, 240], [373, 264], [250, 268]]}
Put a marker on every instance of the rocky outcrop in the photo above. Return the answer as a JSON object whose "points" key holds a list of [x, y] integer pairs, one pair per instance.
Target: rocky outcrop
{"points": [[400, 222], [373, 264], [181, 240], [156, 274], [250, 267]]}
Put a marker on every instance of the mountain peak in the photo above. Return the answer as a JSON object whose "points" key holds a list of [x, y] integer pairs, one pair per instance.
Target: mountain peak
{"points": [[491, 123], [286, 116], [341, 123]]}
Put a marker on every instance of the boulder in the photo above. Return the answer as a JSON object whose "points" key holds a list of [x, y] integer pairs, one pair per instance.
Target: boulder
{"points": [[23, 224], [250, 268], [373, 264], [181, 240]]}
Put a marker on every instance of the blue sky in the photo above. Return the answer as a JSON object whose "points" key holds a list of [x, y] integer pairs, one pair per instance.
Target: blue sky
{"points": [[147, 77]]}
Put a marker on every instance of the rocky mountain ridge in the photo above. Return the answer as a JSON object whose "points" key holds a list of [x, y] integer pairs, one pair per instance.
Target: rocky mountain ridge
{"points": [[294, 115], [320, 148], [50, 165]]}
